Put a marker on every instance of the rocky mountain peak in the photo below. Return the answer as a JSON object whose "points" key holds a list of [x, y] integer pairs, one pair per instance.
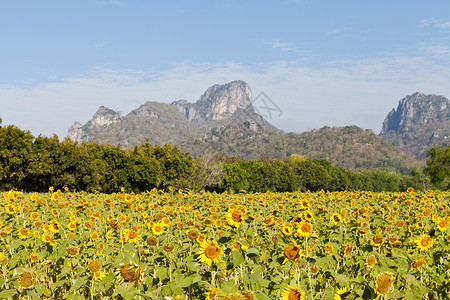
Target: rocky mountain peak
{"points": [[105, 116], [418, 120], [219, 102]]}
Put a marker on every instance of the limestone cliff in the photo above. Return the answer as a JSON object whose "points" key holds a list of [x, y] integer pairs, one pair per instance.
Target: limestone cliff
{"points": [[419, 123]]}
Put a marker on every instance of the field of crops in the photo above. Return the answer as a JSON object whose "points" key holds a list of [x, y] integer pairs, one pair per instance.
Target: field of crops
{"points": [[184, 245]]}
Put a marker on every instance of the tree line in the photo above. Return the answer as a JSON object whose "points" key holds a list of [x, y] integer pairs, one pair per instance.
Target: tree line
{"points": [[31, 163]]}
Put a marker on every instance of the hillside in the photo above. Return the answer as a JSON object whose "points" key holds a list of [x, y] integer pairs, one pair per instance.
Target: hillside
{"points": [[348, 147], [223, 120]]}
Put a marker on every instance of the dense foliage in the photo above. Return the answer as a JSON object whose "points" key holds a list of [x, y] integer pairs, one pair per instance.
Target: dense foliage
{"points": [[33, 163], [184, 245]]}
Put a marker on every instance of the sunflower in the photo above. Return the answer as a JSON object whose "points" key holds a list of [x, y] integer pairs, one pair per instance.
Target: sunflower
{"points": [[377, 240], [94, 235], [54, 212], [98, 275], [94, 266], [384, 283], [209, 252], [34, 216], [293, 293], [72, 250], [193, 234], [328, 248], [151, 241], [130, 273], [55, 196], [158, 229], [304, 229], [71, 226], [168, 247], [292, 252], [34, 257], [131, 236], [442, 224], [335, 218], [47, 237], [348, 249], [54, 226], [23, 233], [10, 209], [286, 229], [341, 293], [371, 261], [425, 242], [234, 217], [27, 279], [418, 262]]}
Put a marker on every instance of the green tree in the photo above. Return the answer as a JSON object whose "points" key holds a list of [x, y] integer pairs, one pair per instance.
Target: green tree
{"points": [[16, 149], [438, 166], [235, 178]]}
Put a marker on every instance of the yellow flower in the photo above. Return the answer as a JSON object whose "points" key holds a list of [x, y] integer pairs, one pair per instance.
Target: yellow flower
{"points": [[47, 237], [72, 226], [131, 273], [158, 229], [304, 229], [131, 236], [442, 224], [424, 243], [384, 283], [10, 209], [94, 266], [27, 279], [293, 293], [371, 261], [209, 252], [286, 229], [292, 252], [234, 217], [98, 275], [377, 240], [335, 218], [23, 233], [418, 262], [54, 226]]}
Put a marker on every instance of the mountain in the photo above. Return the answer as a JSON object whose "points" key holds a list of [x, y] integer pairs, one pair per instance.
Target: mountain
{"points": [[419, 123], [348, 147], [162, 123], [224, 120]]}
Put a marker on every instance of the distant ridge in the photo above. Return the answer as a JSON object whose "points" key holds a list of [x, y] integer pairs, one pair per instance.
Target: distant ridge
{"points": [[223, 120]]}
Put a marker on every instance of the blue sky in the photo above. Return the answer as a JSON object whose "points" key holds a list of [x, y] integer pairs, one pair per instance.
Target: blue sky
{"points": [[332, 63]]}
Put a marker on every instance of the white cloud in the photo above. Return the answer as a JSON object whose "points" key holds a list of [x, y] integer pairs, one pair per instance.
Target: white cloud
{"points": [[343, 93]]}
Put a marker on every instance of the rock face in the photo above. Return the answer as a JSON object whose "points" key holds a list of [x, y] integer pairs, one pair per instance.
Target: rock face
{"points": [[162, 123], [219, 102], [419, 123]]}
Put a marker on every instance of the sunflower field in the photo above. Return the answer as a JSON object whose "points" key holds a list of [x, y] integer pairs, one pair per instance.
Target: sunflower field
{"points": [[185, 245]]}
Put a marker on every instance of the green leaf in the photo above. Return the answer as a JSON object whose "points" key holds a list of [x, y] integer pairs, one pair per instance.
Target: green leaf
{"points": [[238, 258], [8, 293]]}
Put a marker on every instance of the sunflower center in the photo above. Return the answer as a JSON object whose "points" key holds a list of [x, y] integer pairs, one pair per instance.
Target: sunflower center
{"points": [[425, 242], [212, 251], [26, 279], [295, 295], [306, 228], [236, 216], [291, 252]]}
